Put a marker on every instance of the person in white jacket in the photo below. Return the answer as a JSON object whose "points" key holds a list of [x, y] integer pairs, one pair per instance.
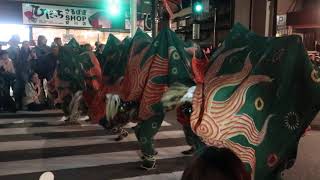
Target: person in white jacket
{"points": [[33, 93]]}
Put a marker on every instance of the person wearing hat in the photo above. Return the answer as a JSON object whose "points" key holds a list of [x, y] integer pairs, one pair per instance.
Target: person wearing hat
{"points": [[7, 76]]}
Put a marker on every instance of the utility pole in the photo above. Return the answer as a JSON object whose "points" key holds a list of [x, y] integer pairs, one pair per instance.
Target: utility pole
{"points": [[154, 17], [133, 18], [215, 28], [197, 10]]}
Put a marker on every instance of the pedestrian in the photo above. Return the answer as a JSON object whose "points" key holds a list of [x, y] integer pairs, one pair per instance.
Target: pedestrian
{"points": [[33, 60], [33, 93], [88, 47], [58, 41], [42, 49], [96, 44], [47, 67], [99, 53], [7, 76], [14, 55], [14, 49], [22, 73]]}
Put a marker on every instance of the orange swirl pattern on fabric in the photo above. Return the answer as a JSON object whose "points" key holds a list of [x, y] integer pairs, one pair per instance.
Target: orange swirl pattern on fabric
{"points": [[94, 97], [220, 120], [153, 92], [199, 68], [95, 72], [135, 77]]}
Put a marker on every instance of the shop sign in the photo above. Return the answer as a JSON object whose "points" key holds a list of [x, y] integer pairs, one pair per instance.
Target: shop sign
{"points": [[147, 22], [39, 14], [182, 23], [282, 20], [144, 22], [174, 26]]}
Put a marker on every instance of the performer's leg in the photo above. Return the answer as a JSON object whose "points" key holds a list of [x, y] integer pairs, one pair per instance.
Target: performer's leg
{"points": [[145, 131], [122, 133], [104, 123], [189, 135], [65, 105]]}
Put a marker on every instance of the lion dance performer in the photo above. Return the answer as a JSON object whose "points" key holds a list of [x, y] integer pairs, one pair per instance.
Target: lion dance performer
{"points": [[152, 68], [77, 77], [170, 99], [258, 97]]}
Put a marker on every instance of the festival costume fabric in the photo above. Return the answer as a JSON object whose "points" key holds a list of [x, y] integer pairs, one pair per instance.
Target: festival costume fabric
{"points": [[76, 71], [92, 80], [93, 90], [151, 69], [258, 96], [115, 56]]}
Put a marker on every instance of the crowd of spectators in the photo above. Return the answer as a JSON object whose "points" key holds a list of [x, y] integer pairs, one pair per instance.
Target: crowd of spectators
{"points": [[25, 69]]}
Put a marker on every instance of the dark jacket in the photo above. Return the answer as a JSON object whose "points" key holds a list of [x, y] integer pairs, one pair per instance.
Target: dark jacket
{"points": [[42, 51], [46, 66], [6, 79]]}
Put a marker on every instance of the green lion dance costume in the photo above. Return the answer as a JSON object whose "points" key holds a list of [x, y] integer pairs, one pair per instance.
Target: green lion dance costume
{"points": [[151, 69], [78, 74], [259, 95]]}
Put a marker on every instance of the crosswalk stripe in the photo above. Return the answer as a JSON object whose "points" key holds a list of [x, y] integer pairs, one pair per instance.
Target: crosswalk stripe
{"points": [[163, 176], [107, 172], [31, 146], [28, 120], [65, 142], [62, 135], [29, 154], [59, 163], [26, 123], [70, 128], [35, 130], [32, 114]]}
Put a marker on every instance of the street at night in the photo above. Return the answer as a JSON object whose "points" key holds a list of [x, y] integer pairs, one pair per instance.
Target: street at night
{"points": [[159, 89], [32, 146]]}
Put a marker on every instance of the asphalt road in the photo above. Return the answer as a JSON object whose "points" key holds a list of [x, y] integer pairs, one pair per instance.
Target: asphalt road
{"points": [[32, 146]]}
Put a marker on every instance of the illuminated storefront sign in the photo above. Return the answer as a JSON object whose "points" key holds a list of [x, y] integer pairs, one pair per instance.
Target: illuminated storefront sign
{"points": [[48, 15]]}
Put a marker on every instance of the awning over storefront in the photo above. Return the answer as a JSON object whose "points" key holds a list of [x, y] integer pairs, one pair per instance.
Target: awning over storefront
{"points": [[306, 19]]}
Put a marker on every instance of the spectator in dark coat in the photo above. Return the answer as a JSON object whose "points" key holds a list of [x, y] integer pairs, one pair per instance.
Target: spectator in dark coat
{"points": [[42, 49], [7, 76], [14, 49], [22, 72], [14, 55], [46, 66]]}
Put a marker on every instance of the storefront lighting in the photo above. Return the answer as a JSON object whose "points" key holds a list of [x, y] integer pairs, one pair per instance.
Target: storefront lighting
{"points": [[198, 7], [113, 7], [7, 30]]}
